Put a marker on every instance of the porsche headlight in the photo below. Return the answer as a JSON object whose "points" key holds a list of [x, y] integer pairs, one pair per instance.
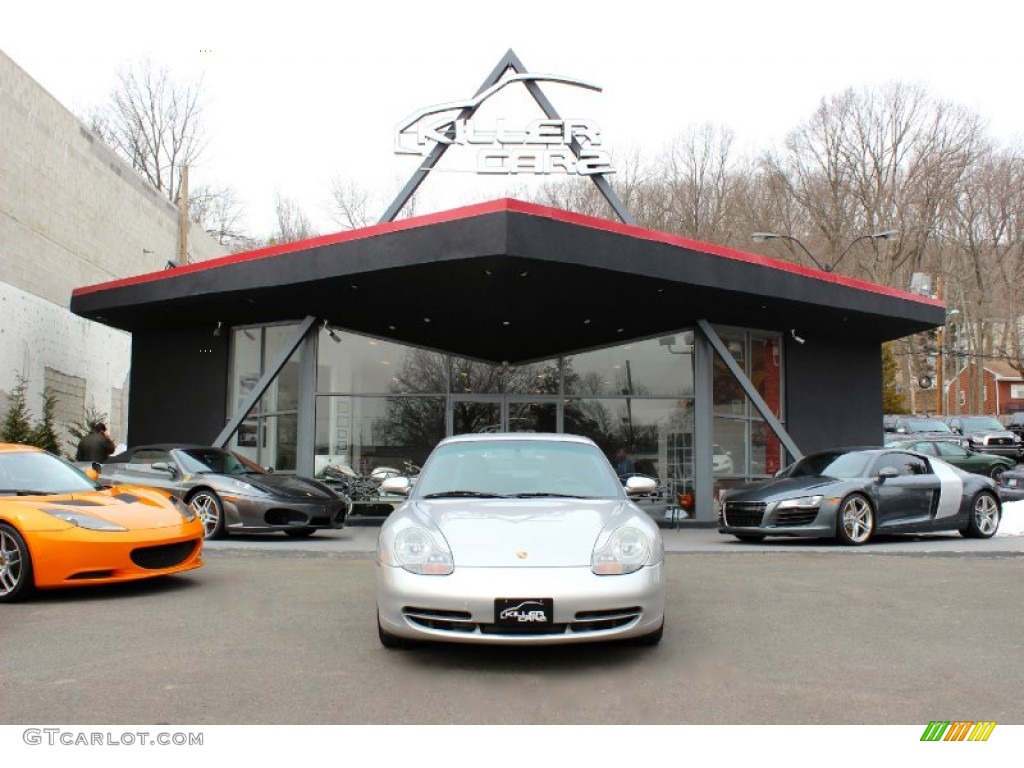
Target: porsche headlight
{"points": [[804, 502], [627, 550], [417, 551], [82, 520]]}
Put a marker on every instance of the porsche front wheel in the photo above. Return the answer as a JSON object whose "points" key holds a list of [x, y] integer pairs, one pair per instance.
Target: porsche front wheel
{"points": [[856, 521], [208, 506], [16, 581]]}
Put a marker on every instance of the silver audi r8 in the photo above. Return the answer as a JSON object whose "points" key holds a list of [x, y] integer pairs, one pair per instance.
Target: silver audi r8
{"points": [[854, 493], [519, 538], [229, 493]]}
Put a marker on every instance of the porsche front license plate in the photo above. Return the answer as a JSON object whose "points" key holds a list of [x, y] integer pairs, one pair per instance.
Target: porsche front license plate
{"points": [[524, 611]]}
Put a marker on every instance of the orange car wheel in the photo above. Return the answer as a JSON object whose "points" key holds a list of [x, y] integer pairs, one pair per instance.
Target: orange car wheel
{"points": [[15, 566]]}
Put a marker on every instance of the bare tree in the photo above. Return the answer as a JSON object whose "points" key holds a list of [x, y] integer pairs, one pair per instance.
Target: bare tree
{"points": [[292, 223], [219, 212], [350, 204], [155, 123]]}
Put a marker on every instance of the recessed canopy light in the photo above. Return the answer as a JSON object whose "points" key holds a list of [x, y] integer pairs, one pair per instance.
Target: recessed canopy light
{"points": [[392, 328], [587, 321], [506, 322], [426, 319], [619, 330]]}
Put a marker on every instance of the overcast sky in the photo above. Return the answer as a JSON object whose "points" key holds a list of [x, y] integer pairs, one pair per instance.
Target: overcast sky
{"points": [[302, 92]]}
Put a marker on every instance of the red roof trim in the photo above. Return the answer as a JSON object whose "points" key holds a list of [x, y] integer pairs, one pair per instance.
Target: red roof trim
{"points": [[515, 206]]}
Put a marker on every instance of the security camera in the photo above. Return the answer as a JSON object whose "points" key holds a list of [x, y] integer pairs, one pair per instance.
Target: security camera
{"points": [[797, 339]]}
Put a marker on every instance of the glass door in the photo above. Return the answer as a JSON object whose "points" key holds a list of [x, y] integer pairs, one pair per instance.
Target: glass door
{"points": [[504, 413]]}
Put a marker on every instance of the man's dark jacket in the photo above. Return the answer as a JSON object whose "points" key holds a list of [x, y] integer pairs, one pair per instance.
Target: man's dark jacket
{"points": [[94, 447]]}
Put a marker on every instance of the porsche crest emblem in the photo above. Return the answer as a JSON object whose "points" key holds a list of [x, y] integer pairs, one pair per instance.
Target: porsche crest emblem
{"points": [[522, 554]]}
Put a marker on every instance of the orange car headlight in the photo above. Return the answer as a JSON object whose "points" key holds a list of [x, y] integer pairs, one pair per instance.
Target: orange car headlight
{"points": [[82, 520]]}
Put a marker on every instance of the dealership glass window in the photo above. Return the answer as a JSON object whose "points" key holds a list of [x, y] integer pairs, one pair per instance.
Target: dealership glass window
{"points": [[745, 446], [657, 434], [269, 434], [661, 366], [363, 433], [472, 377], [363, 365]]}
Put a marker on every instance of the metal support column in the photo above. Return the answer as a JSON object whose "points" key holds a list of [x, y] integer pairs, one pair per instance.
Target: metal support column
{"points": [[703, 400], [306, 427]]}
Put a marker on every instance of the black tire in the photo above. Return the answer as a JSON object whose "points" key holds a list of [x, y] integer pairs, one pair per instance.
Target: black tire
{"points": [[208, 506], [16, 579], [393, 642], [996, 472], [299, 533], [985, 516], [650, 639], [855, 521], [750, 538]]}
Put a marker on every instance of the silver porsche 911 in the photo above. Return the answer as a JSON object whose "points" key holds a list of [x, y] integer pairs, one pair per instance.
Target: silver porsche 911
{"points": [[520, 538]]}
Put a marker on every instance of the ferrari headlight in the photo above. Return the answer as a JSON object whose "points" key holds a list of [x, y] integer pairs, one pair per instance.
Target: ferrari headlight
{"points": [[247, 488], [804, 502], [627, 550], [417, 551], [82, 520], [183, 509]]}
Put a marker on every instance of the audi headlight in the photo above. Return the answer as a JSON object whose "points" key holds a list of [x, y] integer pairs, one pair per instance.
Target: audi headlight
{"points": [[803, 502], [627, 550], [418, 551], [82, 520]]}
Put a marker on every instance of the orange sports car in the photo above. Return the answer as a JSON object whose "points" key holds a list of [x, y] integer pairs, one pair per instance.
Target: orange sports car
{"points": [[59, 528]]}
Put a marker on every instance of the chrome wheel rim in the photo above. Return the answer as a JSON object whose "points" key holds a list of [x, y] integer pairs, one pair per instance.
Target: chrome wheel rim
{"points": [[11, 565], [857, 520], [986, 514], [205, 506]]}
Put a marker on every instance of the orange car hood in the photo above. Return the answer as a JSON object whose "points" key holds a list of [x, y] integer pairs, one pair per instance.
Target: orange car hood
{"points": [[129, 507]]}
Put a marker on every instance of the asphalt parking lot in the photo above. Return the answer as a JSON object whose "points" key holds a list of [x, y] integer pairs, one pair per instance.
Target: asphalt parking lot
{"points": [[276, 631]]}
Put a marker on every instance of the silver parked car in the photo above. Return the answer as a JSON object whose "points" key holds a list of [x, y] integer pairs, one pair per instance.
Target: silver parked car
{"points": [[229, 493], [519, 538]]}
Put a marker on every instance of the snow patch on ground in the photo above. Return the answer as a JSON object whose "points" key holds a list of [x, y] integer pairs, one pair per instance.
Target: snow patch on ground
{"points": [[1012, 523]]}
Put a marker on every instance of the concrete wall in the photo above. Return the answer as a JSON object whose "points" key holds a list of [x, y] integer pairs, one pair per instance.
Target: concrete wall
{"points": [[71, 214]]}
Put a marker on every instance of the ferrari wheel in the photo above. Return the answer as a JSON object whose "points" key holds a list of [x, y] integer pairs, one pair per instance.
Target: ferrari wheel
{"points": [[856, 521], [299, 533], [16, 581], [984, 519], [208, 506]]}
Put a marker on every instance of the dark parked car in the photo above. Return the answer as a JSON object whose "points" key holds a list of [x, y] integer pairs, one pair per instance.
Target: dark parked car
{"points": [[967, 459], [1016, 424], [228, 492], [1011, 485], [853, 493], [986, 433], [920, 425]]}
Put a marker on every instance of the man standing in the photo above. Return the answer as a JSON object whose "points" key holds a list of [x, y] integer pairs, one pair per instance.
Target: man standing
{"points": [[95, 446]]}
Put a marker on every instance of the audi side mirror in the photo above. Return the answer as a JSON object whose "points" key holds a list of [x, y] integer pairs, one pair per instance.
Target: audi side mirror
{"points": [[887, 473]]}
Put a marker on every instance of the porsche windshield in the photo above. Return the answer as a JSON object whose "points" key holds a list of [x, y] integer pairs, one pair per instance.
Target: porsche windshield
{"points": [[28, 473], [518, 469], [838, 464], [200, 460]]}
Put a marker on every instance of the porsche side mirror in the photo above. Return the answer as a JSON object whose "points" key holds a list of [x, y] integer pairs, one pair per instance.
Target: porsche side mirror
{"points": [[163, 466], [636, 485]]}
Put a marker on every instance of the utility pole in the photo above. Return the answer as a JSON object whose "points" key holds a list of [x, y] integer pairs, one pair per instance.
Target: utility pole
{"points": [[183, 218]]}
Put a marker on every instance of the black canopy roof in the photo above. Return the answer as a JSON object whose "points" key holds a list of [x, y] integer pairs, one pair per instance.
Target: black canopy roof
{"points": [[508, 281]]}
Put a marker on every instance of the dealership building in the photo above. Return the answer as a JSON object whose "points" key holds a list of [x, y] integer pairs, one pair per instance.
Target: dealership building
{"points": [[708, 366]]}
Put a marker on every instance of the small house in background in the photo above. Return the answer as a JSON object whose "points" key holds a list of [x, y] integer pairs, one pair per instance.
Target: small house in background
{"points": [[993, 389]]}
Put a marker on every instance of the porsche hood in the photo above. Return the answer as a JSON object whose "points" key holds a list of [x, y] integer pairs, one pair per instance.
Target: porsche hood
{"points": [[535, 533]]}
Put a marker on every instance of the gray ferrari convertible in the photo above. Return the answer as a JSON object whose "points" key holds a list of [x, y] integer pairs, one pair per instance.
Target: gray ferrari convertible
{"points": [[520, 538], [853, 494], [228, 492]]}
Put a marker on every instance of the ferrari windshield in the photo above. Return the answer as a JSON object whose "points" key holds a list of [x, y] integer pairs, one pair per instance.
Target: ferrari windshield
{"points": [[28, 473], [518, 469], [200, 460], [838, 464]]}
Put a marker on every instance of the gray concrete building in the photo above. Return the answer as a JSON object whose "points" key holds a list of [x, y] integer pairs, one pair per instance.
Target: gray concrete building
{"points": [[72, 213]]}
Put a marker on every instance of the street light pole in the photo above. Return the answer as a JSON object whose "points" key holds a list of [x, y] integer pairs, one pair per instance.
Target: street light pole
{"points": [[760, 237]]}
